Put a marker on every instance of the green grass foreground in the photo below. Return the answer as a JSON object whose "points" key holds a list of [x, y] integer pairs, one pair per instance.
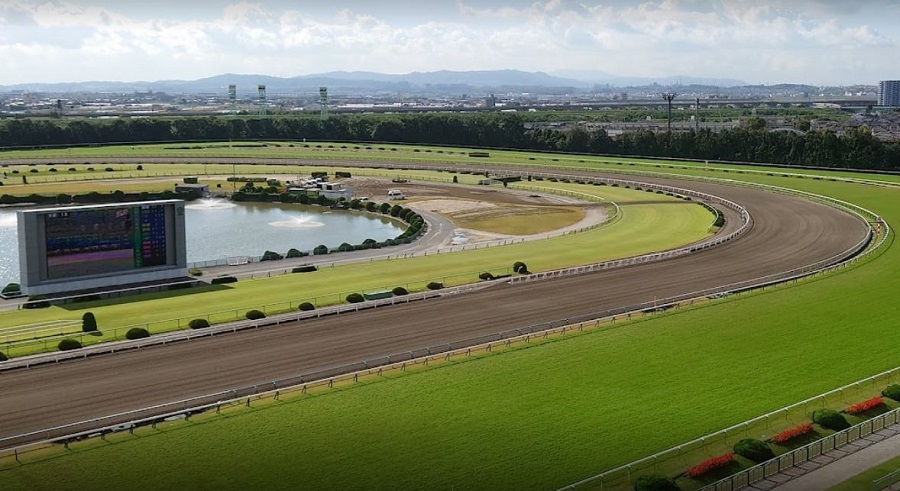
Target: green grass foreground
{"points": [[541, 417]]}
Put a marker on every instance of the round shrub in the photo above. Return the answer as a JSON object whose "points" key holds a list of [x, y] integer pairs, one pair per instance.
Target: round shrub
{"points": [[306, 306], [831, 419], [12, 288], [755, 450], [486, 276], [88, 322], [198, 323], [68, 344], [434, 285], [399, 291], [255, 314], [654, 482], [137, 333], [892, 392], [295, 253], [345, 247], [320, 249], [3, 356], [355, 298], [520, 267]]}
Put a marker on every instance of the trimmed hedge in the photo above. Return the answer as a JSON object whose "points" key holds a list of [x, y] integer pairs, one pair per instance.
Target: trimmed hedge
{"points": [[198, 323], [36, 302], [3, 356], [271, 256], [68, 344], [137, 333], [296, 253], [355, 298], [892, 392], [831, 419], [12, 288], [399, 291], [485, 276], [88, 322], [434, 285], [223, 279], [520, 267], [320, 249], [755, 450], [654, 482], [306, 306], [255, 315], [306, 268]]}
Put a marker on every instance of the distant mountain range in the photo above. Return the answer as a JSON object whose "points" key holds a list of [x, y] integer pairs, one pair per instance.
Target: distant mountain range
{"points": [[425, 83]]}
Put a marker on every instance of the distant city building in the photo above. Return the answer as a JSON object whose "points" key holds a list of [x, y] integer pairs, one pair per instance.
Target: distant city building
{"points": [[889, 93]]}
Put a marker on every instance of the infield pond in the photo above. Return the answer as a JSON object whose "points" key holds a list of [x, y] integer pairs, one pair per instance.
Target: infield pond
{"points": [[217, 229]]}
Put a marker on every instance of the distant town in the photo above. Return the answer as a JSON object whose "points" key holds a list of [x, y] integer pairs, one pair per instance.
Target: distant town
{"points": [[695, 106]]}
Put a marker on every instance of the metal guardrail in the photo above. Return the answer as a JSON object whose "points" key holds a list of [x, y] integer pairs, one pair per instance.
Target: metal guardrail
{"points": [[797, 456]]}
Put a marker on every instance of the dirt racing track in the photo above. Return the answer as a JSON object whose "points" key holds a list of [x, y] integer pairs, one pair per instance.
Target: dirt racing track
{"points": [[786, 233]]}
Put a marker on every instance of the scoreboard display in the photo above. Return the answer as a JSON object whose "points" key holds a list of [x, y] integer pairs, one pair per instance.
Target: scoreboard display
{"points": [[73, 243]]}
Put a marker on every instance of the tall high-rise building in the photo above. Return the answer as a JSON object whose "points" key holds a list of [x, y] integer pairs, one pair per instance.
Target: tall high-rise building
{"points": [[889, 93]]}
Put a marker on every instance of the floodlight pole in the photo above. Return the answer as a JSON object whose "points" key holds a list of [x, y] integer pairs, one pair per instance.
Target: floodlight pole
{"points": [[668, 96]]}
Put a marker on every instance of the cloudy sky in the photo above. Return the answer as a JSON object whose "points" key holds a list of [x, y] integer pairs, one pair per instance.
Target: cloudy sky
{"points": [[834, 42]]}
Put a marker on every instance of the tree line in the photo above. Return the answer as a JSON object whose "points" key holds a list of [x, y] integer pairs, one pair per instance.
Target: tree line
{"points": [[857, 149]]}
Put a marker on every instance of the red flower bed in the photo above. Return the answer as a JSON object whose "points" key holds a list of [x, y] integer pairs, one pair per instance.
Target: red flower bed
{"points": [[708, 465], [791, 433], [861, 407]]}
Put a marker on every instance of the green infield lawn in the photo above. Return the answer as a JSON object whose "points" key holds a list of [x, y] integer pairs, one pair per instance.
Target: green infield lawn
{"points": [[540, 417]]}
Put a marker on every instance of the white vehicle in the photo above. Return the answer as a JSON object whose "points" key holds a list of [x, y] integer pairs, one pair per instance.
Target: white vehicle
{"points": [[396, 194]]}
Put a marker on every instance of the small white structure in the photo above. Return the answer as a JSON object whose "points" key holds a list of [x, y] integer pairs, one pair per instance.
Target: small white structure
{"points": [[334, 191]]}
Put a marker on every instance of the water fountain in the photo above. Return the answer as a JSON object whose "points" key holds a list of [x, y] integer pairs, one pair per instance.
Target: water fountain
{"points": [[210, 204], [305, 221]]}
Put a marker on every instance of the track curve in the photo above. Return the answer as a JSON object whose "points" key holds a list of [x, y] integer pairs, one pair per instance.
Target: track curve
{"points": [[787, 233]]}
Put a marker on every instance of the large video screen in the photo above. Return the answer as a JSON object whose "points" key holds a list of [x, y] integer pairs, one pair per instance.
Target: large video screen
{"points": [[105, 240]]}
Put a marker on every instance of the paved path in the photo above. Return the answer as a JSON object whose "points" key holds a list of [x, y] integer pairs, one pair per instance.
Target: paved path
{"points": [[838, 465]]}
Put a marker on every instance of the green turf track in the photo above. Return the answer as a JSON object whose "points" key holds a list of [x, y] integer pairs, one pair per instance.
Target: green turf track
{"points": [[541, 417]]}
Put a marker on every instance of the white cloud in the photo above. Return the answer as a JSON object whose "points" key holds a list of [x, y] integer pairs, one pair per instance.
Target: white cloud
{"points": [[759, 41]]}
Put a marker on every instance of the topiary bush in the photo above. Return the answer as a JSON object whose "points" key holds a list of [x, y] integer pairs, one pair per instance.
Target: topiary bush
{"points": [[218, 280], [295, 253], [654, 482], [306, 306], [486, 276], [434, 285], [345, 247], [3, 356], [137, 333], [520, 267], [320, 249], [755, 450], [271, 256], [198, 323], [255, 314], [12, 289], [88, 322], [892, 392], [68, 344], [399, 291], [355, 298], [831, 419], [306, 268]]}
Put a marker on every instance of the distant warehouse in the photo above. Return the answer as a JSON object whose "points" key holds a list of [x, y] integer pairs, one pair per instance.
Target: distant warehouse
{"points": [[889, 93]]}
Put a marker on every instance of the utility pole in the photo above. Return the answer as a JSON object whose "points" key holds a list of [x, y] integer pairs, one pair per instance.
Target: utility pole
{"points": [[668, 96], [697, 116]]}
